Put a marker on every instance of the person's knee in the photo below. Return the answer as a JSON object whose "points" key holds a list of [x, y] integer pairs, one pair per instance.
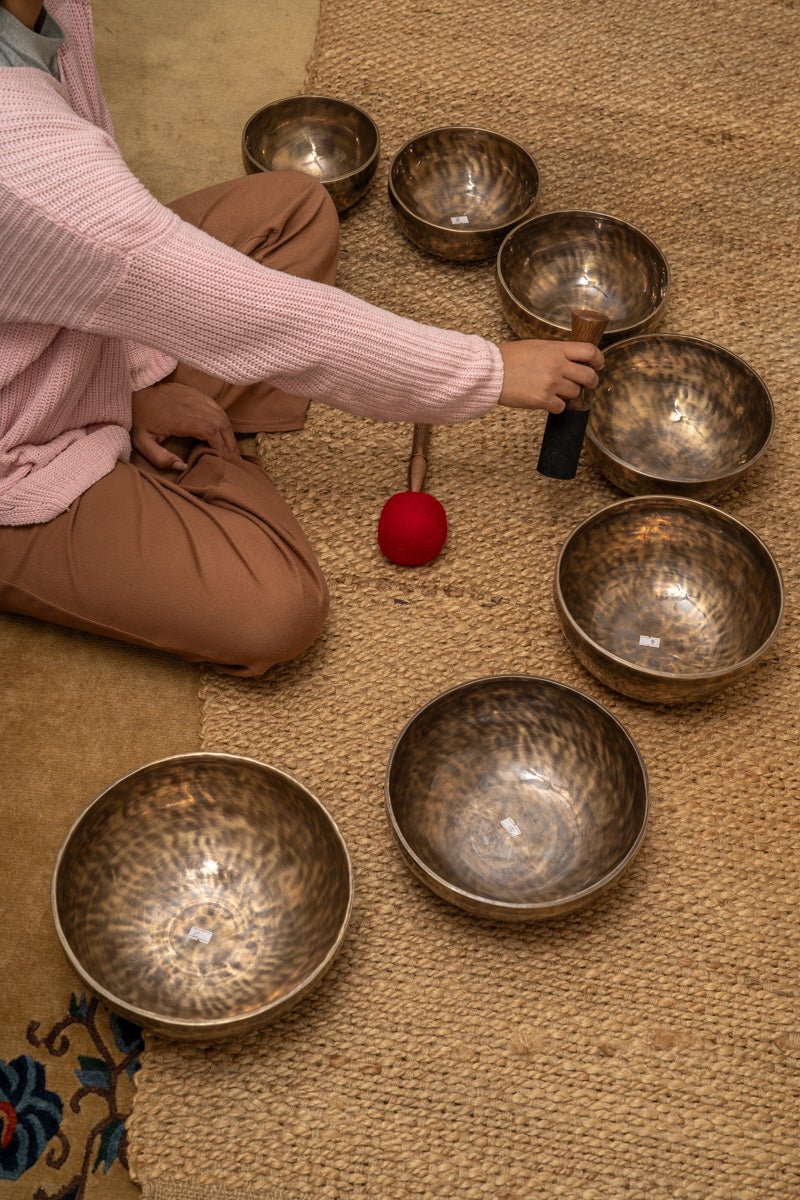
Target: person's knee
{"points": [[300, 234], [260, 634]]}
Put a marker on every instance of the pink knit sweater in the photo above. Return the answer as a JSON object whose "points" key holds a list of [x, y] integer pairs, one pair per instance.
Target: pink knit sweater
{"points": [[103, 289]]}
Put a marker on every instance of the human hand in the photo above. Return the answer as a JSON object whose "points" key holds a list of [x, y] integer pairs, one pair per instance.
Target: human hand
{"points": [[174, 410], [545, 374]]}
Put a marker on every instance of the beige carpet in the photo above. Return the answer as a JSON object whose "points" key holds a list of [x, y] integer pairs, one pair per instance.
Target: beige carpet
{"points": [[648, 1047]]}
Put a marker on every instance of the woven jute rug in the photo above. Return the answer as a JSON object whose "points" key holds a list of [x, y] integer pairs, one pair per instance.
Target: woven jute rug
{"points": [[647, 1047]]}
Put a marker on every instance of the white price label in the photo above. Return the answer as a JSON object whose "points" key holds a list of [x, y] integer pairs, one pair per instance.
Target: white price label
{"points": [[201, 935], [644, 640], [511, 827], [463, 220]]}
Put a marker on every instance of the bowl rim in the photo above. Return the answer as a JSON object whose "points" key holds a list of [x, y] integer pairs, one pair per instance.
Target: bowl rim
{"points": [[368, 162], [458, 232], [216, 1026], [573, 899], [619, 331], [688, 480], [649, 673]]}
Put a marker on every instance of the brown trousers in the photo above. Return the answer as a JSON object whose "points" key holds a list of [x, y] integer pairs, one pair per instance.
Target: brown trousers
{"points": [[208, 563]]}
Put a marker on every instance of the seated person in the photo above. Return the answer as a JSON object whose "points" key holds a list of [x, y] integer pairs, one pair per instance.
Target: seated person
{"points": [[125, 323]]}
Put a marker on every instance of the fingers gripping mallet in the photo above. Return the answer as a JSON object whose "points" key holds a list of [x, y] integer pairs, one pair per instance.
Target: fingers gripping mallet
{"points": [[413, 525], [564, 432]]}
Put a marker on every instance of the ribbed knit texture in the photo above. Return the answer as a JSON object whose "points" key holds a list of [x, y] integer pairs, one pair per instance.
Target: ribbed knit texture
{"points": [[102, 289]]}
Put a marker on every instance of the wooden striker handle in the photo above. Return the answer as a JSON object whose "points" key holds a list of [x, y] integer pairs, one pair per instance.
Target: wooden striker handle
{"points": [[418, 462], [587, 326]]}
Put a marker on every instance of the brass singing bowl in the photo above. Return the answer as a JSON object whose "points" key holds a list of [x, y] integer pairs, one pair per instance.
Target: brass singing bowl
{"points": [[667, 599], [516, 798], [202, 895], [456, 192], [333, 140], [678, 415], [557, 262]]}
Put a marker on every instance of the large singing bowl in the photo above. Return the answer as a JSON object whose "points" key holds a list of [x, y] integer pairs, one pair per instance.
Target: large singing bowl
{"points": [[677, 415], [202, 895], [667, 599], [333, 140], [456, 192], [516, 798], [557, 262]]}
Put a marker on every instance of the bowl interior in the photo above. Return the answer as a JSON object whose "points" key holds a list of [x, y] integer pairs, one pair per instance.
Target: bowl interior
{"points": [[679, 408], [202, 888], [320, 136], [517, 790], [561, 261], [671, 586], [464, 179]]}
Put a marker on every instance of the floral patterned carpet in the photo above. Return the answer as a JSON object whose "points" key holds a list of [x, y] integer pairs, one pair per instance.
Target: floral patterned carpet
{"points": [[64, 1100]]}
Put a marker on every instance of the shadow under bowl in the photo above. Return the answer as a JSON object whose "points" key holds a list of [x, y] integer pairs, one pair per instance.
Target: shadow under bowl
{"points": [[516, 798], [202, 895], [333, 140], [678, 415], [456, 191], [557, 262], [667, 599]]}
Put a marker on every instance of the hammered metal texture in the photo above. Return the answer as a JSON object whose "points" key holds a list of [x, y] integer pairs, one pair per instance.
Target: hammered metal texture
{"points": [[667, 599], [336, 142], [516, 798], [202, 895], [678, 415], [456, 192], [557, 262]]}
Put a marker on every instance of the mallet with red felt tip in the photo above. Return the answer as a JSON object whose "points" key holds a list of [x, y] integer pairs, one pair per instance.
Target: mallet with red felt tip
{"points": [[413, 525], [564, 432]]}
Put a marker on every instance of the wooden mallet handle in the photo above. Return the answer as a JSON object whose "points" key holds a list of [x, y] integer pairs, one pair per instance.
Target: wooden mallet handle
{"points": [[564, 432], [418, 462]]}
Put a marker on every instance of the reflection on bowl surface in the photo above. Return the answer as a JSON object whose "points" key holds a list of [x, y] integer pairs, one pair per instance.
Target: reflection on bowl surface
{"points": [[667, 599], [557, 262], [202, 895], [331, 139], [677, 414], [516, 798], [457, 191]]}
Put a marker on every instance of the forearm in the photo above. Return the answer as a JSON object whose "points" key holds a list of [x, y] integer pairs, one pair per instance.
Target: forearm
{"points": [[243, 322]]}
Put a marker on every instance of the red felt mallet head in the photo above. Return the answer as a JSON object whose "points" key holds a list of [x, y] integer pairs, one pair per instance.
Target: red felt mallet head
{"points": [[413, 525]]}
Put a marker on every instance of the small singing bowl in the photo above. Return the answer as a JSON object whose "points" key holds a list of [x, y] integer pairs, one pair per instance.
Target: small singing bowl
{"points": [[516, 798], [333, 140], [667, 599], [202, 895], [557, 262], [456, 192], [679, 415]]}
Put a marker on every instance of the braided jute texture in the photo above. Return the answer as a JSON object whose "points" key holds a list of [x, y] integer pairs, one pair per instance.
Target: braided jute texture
{"points": [[649, 1046]]}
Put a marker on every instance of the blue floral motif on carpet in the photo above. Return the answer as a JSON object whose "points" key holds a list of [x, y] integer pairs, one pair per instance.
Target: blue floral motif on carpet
{"points": [[34, 1126]]}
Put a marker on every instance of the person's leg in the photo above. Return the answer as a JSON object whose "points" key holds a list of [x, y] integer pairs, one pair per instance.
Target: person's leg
{"points": [[284, 220], [208, 564]]}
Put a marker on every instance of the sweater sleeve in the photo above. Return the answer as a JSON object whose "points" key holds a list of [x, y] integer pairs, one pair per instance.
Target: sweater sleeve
{"points": [[103, 256]]}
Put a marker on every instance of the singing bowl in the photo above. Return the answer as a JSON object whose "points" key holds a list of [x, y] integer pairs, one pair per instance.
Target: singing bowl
{"points": [[202, 895], [456, 192], [678, 415], [667, 599], [516, 798], [557, 262], [333, 140]]}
